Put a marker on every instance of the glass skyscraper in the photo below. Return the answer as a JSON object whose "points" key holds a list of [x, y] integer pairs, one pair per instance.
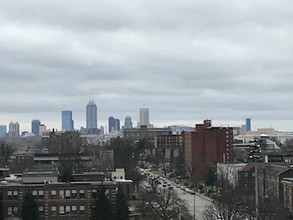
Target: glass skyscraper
{"points": [[67, 121], [36, 127], [3, 131], [248, 124], [114, 124], [91, 116]]}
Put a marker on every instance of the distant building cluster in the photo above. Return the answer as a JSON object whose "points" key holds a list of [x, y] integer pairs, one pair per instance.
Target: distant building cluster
{"points": [[239, 153]]}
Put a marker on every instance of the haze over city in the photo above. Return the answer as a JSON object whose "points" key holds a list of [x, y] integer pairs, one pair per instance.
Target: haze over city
{"points": [[184, 60]]}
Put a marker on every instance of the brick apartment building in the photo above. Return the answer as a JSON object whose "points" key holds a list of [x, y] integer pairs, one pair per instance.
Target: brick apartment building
{"points": [[170, 144], [206, 146], [57, 200]]}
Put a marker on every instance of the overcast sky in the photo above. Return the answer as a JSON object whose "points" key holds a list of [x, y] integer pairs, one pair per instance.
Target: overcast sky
{"points": [[185, 60]]}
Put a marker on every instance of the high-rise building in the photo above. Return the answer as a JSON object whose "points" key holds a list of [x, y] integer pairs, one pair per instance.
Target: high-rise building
{"points": [[248, 124], [117, 124], [144, 117], [36, 127], [42, 129], [111, 124], [13, 130], [128, 122], [206, 146], [114, 124], [91, 115], [67, 121], [3, 131]]}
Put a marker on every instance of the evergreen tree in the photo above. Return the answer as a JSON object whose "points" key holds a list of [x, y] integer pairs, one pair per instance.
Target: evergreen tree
{"points": [[210, 177], [122, 210], [102, 207], [29, 207]]}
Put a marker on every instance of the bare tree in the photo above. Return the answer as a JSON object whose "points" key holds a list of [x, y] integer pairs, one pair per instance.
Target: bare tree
{"points": [[165, 202], [227, 202]]}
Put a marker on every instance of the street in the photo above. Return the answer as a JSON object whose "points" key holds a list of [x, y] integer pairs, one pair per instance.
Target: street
{"points": [[196, 203], [195, 209]]}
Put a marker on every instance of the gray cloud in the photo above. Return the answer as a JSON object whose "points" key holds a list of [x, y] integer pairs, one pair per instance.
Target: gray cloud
{"points": [[185, 60]]}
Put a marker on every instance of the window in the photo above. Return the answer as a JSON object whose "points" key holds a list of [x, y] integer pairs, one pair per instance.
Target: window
{"points": [[81, 194], [73, 209], [53, 210], [41, 210], [41, 194], [9, 211], [81, 209], [73, 193], [67, 194], [67, 209], [61, 194], [53, 194], [12, 211], [94, 193], [15, 210], [61, 210], [35, 194], [12, 194]]}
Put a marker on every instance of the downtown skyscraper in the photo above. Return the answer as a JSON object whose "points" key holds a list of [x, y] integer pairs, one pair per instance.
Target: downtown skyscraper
{"points": [[91, 117], [114, 124], [36, 127], [67, 121], [144, 117]]}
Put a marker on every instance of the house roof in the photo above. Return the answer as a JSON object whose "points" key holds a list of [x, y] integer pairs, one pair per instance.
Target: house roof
{"points": [[276, 169], [251, 166]]}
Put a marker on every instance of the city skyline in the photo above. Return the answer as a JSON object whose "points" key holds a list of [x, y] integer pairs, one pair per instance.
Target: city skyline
{"points": [[80, 121], [186, 61]]}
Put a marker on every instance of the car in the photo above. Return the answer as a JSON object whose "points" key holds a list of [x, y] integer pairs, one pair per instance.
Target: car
{"points": [[189, 191]]}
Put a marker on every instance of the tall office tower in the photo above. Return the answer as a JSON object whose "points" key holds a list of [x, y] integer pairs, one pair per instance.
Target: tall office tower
{"points": [[114, 124], [117, 124], [3, 131], [13, 130], [111, 124], [36, 127], [67, 121], [144, 117], [248, 124], [91, 115], [128, 122]]}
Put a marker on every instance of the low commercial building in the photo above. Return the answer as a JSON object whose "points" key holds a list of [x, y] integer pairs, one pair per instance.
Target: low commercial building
{"points": [[288, 193]]}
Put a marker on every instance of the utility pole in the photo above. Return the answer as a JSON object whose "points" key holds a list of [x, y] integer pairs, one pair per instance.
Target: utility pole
{"points": [[194, 206], [256, 190]]}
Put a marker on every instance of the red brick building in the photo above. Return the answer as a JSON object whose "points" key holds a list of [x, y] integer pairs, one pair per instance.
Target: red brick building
{"points": [[206, 146]]}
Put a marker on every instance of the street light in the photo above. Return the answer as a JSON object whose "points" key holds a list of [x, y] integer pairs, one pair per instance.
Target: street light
{"points": [[194, 206]]}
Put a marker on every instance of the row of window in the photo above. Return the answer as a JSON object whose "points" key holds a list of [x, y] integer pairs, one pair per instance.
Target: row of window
{"points": [[68, 210], [67, 194], [14, 210], [63, 210], [54, 194]]}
